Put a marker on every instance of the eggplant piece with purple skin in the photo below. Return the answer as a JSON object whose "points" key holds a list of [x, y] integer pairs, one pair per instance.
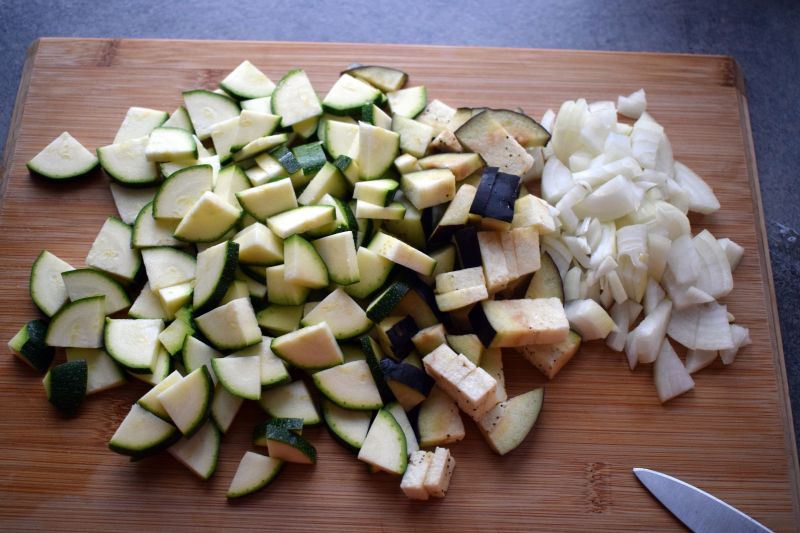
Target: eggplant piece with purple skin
{"points": [[481, 201], [505, 190], [399, 336], [469, 252], [408, 375]]}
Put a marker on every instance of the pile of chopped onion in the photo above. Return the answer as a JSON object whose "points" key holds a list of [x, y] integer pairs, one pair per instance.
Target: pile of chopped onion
{"points": [[633, 273]]}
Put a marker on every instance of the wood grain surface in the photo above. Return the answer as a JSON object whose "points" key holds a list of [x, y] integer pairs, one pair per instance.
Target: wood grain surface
{"points": [[732, 435]]}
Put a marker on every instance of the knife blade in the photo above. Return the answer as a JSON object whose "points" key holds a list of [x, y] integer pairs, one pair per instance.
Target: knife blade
{"points": [[698, 510]]}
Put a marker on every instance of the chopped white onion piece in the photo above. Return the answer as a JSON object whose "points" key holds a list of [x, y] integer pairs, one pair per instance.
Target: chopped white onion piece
{"points": [[559, 253], [606, 247], [699, 359], [612, 200], [683, 261], [572, 284], [604, 111], [653, 295], [634, 279], [741, 338], [633, 105], [556, 180], [616, 287], [670, 221], [658, 251], [645, 140], [566, 128], [579, 249], [623, 315], [733, 252], [678, 197], [632, 242], [589, 319], [618, 146], [669, 374], [664, 159], [606, 298], [548, 118], [645, 340], [701, 327], [714, 273], [701, 197], [580, 161]]}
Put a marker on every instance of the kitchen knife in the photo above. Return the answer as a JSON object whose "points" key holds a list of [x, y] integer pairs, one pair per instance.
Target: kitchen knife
{"points": [[698, 510]]}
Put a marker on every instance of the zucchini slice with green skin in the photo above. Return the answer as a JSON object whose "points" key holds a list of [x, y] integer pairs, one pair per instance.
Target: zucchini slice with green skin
{"points": [[85, 282], [126, 163], [240, 375], [253, 125], [379, 192], [339, 137], [402, 420], [142, 433], [207, 108], [344, 219], [179, 119], [261, 105], [300, 220], [188, 401], [295, 99], [347, 426], [327, 181], [224, 408], [255, 472], [273, 370], [348, 95], [170, 144], [173, 337], [386, 301], [102, 372], [147, 305], [196, 353], [311, 157], [149, 232], [408, 102], [282, 292], [260, 145], [232, 326], [385, 445], [377, 149], [303, 265], [373, 355], [161, 369], [393, 211], [78, 324], [373, 271], [414, 136], [258, 246], [150, 400], [461, 165], [133, 343], [223, 136], [167, 267], [129, 202], [306, 128], [138, 122], [384, 78], [338, 252], [200, 452], [247, 82], [181, 190], [111, 251], [426, 188], [342, 314], [65, 385], [372, 114], [260, 431], [208, 220], [216, 267], [63, 158], [46, 285], [29, 346], [292, 400], [280, 319], [310, 348], [286, 445], [350, 386], [269, 199]]}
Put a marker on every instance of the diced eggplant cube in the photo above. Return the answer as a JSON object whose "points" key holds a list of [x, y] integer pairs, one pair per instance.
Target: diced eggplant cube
{"points": [[484, 194], [469, 252]]}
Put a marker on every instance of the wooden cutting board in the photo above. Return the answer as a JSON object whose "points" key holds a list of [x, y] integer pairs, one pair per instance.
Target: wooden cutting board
{"points": [[732, 435]]}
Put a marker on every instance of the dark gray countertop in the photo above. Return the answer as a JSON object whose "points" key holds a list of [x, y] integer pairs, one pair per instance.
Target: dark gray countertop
{"points": [[763, 36]]}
